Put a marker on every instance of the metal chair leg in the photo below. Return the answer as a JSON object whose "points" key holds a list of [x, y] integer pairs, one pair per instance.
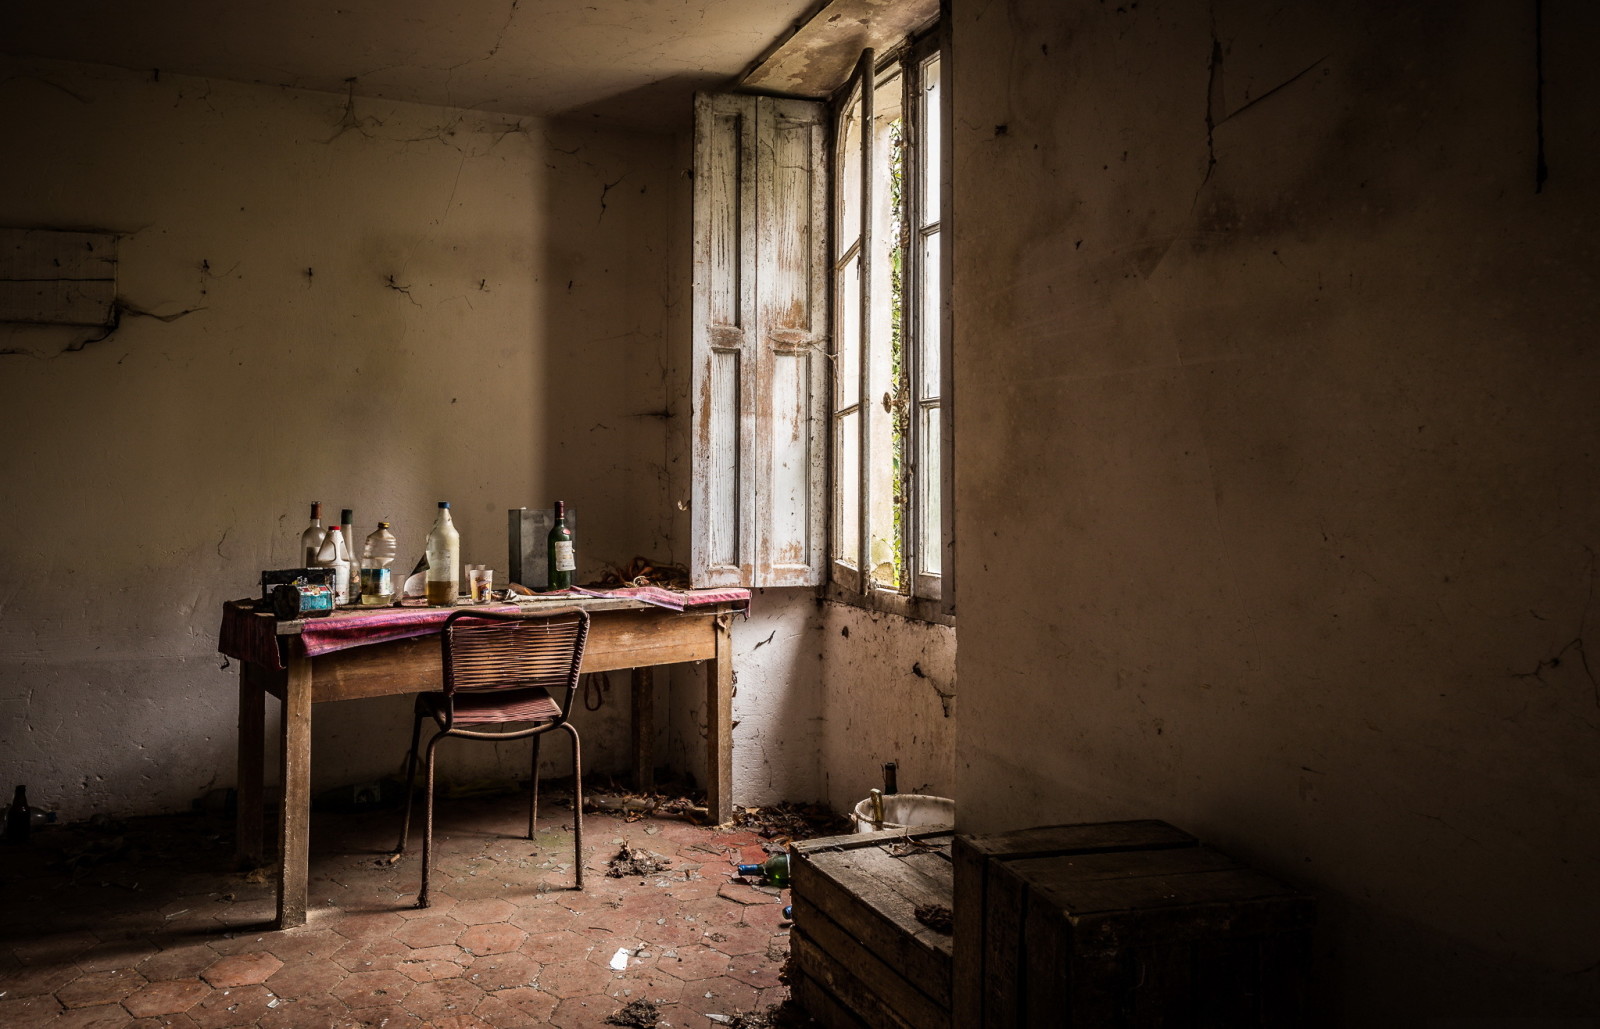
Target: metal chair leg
{"points": [[427, 827], [577, 803], [533, 791], [411, 782]]}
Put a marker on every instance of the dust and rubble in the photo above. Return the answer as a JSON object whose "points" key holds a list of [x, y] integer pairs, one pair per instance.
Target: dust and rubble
{"points": [[633, 861]]}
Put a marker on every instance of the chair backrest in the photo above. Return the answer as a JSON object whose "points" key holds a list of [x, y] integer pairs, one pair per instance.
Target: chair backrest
{"points": [[493, 650]]}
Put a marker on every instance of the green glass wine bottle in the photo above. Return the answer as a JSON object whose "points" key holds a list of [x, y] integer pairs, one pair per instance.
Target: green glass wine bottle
{"points": [[562, 555]]}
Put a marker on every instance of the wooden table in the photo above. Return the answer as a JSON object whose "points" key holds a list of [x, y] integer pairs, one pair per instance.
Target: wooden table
{"points": [[623, 634]]}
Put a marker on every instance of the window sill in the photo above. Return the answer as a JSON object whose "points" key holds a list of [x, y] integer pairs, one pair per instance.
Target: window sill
{"points": [[888, 601]]}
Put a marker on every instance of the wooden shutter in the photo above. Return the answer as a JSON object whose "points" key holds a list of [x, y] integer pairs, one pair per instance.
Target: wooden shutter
{"points": [[760, 342]]}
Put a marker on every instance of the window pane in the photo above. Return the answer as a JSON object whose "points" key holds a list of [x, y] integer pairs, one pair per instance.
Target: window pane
{"points": [[848, 229], [885, 404], [928, 327], [930, 549], [931, 95], [847, 365], [847, 491]]}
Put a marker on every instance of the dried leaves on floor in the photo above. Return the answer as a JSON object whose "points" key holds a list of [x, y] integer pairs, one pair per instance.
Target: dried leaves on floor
{"points": [[789, 822], [637, 1014]]}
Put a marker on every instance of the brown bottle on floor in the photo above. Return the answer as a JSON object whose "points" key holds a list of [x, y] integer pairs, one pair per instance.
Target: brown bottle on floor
{"points": [[18, 819]]}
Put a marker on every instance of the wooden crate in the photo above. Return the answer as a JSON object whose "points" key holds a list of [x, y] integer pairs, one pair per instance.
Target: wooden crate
{"points": [[1122, 925], [860, 957]]}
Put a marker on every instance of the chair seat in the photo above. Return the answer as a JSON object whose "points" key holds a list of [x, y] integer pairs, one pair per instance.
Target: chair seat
{"points": [[487, 707]]}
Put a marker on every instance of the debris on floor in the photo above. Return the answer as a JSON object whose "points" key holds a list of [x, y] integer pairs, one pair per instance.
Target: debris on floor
{"points": [[634, 807], [637, 1014], [787, 1015], [631, 861], [788, 821]]}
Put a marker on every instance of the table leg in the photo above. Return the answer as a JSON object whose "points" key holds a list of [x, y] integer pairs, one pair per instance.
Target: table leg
{"points": [[719, 725], [248, 816], [644, 730], [294, 816]]}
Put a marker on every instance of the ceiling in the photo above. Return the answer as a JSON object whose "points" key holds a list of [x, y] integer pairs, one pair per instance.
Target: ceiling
{"points": [[634, 62]]}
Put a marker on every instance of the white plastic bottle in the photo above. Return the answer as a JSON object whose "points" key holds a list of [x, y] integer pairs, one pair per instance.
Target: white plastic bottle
{"points": [[334, 554], [377, 580], [444, 560], [311, 539]]}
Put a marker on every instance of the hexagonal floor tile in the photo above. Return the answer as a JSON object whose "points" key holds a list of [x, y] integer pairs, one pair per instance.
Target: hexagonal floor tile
{"points": [[241, 969], [96, 988], [170, 997]]}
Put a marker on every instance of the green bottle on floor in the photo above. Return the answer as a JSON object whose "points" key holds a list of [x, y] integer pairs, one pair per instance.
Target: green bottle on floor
{"points": [[775, 869]]}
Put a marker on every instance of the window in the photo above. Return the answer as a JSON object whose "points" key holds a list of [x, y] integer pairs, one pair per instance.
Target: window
{"points": [[821, 428], [888, 412]]}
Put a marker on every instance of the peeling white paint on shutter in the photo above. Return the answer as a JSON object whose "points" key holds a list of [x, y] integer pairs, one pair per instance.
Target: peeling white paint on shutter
{"points": [[760, 342]]}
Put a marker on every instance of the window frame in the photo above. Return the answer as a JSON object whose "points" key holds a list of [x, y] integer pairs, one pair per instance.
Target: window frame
{"points": [[928, 597]]}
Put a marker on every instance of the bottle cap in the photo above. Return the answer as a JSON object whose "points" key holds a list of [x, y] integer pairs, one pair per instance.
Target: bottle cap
{"points": [[444, 503], [344, 516], [383, 525]]}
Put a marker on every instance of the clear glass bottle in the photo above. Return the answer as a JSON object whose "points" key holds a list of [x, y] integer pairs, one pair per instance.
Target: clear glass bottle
{"points": [[563, 555], [377, 579], [334, 554], [444, 559], [311, 539], [348, 527]]}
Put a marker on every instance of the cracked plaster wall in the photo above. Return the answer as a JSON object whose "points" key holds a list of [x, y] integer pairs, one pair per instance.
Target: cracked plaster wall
{"points": [[389, 305], [1277, 514]]}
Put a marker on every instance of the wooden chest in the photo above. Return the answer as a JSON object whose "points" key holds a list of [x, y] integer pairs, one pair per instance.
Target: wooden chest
{"points": [[860, 955], [1122, 925]]}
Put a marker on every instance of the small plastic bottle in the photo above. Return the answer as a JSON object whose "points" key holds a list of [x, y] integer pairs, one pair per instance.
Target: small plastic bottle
{"points": [[334, 554], [775, 869], [443, 551], [377, 580]]}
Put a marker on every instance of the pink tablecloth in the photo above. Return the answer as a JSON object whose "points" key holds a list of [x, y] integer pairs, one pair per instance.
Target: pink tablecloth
{"points": [[251, 636]]}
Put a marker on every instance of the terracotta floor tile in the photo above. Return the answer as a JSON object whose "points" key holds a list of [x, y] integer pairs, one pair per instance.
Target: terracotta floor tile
{"points": [[367, 925], [390, 1016], [305, 979], [170, 997], [574, 978], [33, 980], [502, 971], [432, 931], [241, 969], [445, 997], [102, 1016], [433, 963], [96, 988], [516, 1008], [693, 962], [305, 942], [27, 1012], [587, 1012], [483, 911], [498, 938], [183, 961], [373, 989], [507, 942], [239, 1006], [735, 940], [304, 1013]]}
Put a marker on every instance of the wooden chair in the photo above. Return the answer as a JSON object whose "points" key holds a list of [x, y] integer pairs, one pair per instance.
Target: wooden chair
{"points": [[502, 668]]}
